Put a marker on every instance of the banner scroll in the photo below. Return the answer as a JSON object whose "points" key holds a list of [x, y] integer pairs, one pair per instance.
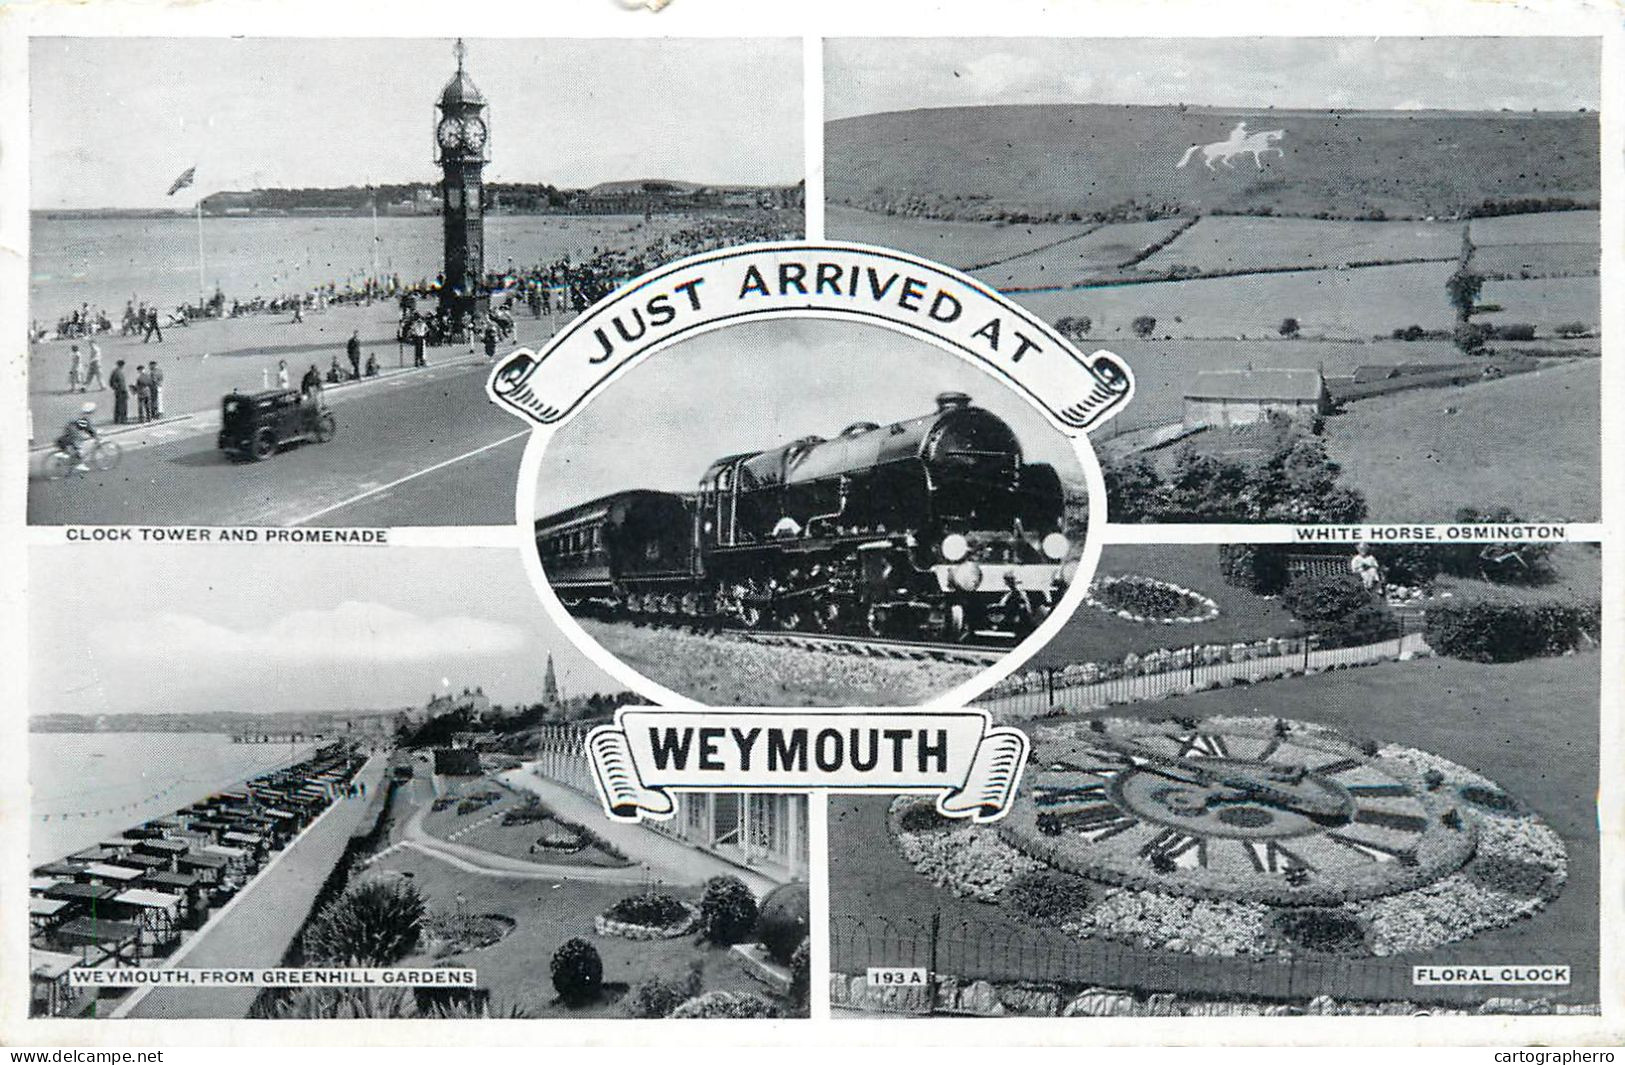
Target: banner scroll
{"points": [[972, 765]]}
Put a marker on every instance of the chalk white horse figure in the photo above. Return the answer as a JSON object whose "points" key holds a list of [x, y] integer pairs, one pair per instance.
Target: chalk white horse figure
{"points": [[1240, 142]]}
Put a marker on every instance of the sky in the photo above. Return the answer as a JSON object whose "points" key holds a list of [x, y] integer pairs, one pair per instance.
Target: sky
{"points": [[136, 628], [759, 385], [115, 120], [871, 75]]}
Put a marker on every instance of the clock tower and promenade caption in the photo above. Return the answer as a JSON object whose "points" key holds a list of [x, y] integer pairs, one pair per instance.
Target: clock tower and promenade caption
{"points": [[462, 148]]}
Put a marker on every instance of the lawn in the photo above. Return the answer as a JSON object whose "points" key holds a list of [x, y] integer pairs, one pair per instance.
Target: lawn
{"points": [[1575, 574], [547, 914], [1530, 442], [1092, 635], [1530, 726], [1338, 304], [956, 244], [1107, 250], [1235, 242]]}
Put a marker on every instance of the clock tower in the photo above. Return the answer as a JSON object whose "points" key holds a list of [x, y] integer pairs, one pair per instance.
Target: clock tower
{"points": [[462, 148]]}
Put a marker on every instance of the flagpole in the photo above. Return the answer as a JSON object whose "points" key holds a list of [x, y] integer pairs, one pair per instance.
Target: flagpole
{"points": [[200, 282]]}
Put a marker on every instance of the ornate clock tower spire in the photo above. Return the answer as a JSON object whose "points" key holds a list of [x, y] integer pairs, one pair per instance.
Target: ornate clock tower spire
{"points": [[461, 139]]}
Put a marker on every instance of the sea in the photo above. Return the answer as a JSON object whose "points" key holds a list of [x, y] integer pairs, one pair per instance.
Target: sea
{"points": [[88, 786], [107, 261]]}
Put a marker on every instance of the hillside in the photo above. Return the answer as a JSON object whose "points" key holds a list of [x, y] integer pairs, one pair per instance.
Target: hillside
{"points": [[1054, 161]]}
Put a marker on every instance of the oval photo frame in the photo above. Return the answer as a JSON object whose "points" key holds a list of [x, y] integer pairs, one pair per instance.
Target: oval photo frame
{"points": [[828, 281]]}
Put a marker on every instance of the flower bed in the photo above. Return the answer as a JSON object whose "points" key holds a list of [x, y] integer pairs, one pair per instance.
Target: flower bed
{"points": [[1150, 601], [650, 915], [1516, 865]]}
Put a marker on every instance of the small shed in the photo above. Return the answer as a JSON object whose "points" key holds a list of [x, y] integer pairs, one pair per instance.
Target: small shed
{"points": [[1224, 398]]}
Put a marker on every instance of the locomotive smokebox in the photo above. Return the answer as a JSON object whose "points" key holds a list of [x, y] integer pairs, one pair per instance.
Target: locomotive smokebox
{"points": [[947, 401]]}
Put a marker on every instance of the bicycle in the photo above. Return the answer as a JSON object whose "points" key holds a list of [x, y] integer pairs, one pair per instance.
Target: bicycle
{"points": [[101, 458]]}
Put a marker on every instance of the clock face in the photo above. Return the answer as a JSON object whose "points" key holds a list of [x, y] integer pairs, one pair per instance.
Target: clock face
{"points": [[1233, 808], [448, 132], [474, 133]]}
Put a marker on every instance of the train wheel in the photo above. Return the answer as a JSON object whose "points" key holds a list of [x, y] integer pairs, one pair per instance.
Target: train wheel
{"points": [[792, 619], [947, 624], [877, 621], [668, 605], [751, 616], [691, 604]]}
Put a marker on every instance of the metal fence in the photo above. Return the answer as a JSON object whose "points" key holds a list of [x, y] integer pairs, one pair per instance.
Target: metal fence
{"points": [[1008, 954], [1051, 690]]}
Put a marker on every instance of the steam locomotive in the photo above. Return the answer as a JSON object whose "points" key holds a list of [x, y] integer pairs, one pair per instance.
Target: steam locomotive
{"points": [[933, 528]]}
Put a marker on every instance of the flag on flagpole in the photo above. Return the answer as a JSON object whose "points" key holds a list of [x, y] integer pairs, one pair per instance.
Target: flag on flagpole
{"points": [[183, 181]]}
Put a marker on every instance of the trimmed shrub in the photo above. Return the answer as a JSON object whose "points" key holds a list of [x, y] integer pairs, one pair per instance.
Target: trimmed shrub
{"points": [[1144, 326], [1325, 597], [651, 909], [1371, 623], [656, 997], [1409, 564], [732, 1005], [727, 910], [801, 973], [1511, 632], [374, 924], [578, 972], [922, 817], [783, 921], [1257, 568], [1047, 895]]}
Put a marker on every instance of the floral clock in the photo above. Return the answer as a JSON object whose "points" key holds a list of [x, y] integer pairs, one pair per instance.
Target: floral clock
{"points": [[1148, 600], [1253, 836]]}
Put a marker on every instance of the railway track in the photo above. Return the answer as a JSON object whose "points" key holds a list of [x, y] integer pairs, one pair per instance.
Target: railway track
{"points": [[872, 647]]}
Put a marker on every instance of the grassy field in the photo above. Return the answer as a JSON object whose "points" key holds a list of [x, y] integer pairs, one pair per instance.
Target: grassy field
{"points": [[1570, 227], [1536, 260], [1339, 304], [1530, 726], [1544, 302], [1093, 635], [1530, 442], [1233, 242], [1086, 158], [957, 244], [1107, 250]]}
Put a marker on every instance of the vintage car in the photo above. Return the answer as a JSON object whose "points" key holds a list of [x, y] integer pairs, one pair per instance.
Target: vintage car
{"points": [[254, 425]]}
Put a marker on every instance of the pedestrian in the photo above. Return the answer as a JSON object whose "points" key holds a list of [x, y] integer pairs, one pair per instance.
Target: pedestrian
{"points": [[157, 376], [372, 364], [153, 328], [490, 341], [353, 350], [282, 374], [93, 370], [121, 394], [311, 386], [143, 394], [73, 371], [420, 334]]}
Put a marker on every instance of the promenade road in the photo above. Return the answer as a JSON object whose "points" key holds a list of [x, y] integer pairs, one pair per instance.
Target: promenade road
{"points": [[419, 447], [256, 928]]}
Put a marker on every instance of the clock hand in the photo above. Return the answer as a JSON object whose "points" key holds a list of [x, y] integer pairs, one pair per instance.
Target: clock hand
{"points": [[1170, 766]]}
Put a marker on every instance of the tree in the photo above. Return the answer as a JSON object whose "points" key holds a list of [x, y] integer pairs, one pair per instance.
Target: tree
{"points": [[1288, 327], [1133, 489], [1463, 286], [1074, 327], [1144, 326]]}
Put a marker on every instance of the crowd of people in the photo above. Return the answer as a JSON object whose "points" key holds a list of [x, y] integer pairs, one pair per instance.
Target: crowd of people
{"points": [[147, 387]]}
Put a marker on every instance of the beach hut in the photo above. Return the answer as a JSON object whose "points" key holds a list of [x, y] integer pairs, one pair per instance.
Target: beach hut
{"points": [[238, 860], [44, 914], [157, 913], [112, 875], [91, 895], [167, 849], [147, 863], [59, 870], [96, 940], [209, 868], [190, 888], [39, 885], [51, 990]]}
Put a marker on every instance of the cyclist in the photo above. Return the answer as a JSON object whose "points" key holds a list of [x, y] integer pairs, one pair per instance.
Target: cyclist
{"points": [[76, 434]]}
